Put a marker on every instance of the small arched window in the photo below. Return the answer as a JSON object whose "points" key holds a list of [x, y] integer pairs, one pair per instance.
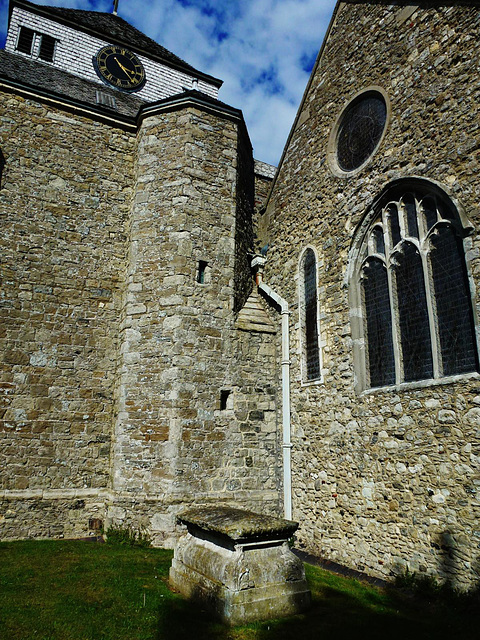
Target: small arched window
{"points": [[309, 317], [412, 290]]}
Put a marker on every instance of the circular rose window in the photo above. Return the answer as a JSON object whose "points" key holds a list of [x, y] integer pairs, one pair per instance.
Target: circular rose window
{"points": [[360, 130]]}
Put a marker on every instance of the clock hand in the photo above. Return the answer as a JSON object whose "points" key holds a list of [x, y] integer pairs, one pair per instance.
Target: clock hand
{"points": [[127, 72]]}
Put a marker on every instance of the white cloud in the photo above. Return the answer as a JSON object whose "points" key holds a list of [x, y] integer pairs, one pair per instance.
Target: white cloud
{"points": [[261, 60], [258, 47]]}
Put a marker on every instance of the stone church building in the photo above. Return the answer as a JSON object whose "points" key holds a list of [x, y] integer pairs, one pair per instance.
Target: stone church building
{"points": [[182, 324]]}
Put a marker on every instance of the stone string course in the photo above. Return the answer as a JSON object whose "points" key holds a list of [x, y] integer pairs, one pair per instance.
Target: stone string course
{"points": [[389, 479]]}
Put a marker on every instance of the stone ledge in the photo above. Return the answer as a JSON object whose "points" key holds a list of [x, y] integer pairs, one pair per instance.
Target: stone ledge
{"points": [[51, 494]]}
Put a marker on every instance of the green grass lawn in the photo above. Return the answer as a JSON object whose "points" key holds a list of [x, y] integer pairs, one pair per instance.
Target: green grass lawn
{"points": [[66, 590]]}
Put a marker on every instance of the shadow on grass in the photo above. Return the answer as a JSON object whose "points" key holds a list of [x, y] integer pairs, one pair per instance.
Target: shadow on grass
{"points": [[333, 615], [184, 619]]}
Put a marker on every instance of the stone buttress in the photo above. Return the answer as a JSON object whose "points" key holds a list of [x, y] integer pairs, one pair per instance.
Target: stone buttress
{"points": [[180, 382]]}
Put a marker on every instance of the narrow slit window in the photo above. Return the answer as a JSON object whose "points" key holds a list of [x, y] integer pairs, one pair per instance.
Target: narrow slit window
{"points": [[309, 317], [202, 272], [225, 399]]}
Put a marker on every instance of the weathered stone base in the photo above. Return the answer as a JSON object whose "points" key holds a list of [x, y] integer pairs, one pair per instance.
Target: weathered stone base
{"points": [[239, 598], [74, 514], [240, 581], [79, 513]]}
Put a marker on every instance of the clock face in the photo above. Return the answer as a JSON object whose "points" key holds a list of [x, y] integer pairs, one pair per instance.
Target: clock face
{"points": [[120, 68]]}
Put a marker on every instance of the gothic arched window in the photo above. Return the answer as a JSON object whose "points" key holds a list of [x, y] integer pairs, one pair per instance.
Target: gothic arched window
{"points": [[309, 317], [412, 291]]}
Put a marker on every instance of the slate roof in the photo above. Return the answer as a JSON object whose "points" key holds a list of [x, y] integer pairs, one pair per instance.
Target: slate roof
{"points": [[44, 80], [26, 74], [34, 74], [114, 29]]}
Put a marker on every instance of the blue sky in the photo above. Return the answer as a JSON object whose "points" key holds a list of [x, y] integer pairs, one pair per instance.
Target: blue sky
{"points": [[263, 50]]}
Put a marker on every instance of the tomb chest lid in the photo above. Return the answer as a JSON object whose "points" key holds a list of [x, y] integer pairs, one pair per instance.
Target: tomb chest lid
{"points": [[238, 525]]}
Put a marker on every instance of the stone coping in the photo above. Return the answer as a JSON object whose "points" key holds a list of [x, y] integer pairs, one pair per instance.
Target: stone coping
{"points": [[239, 525]]}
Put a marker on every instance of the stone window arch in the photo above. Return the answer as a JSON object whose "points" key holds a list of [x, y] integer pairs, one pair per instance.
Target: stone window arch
{"points": [[411, 303], [309, 317]]}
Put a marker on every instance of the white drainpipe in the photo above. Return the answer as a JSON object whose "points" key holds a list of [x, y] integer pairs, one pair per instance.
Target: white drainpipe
{"points": [[257, 263]]}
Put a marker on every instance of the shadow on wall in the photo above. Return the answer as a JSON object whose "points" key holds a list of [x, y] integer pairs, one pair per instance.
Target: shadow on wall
{"points": [[454, 563], [458, 568]]}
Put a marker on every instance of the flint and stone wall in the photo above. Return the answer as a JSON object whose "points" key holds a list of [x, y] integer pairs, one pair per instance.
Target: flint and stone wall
{"points": [[175, 443], [113, 357], [128, 391], [387, 479], [63, 247]]}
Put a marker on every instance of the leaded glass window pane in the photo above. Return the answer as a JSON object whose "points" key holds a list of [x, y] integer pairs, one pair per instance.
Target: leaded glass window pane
{"points": [[411, 215], [427, 329], [378, 318], [361, 130], [445, 212], [452, 298], [312, 354], [429, 212], [412, 315], [394, 225], [378, 240]]}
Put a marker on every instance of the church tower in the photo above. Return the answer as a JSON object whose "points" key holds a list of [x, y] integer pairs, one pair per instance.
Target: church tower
{"points": [[127, 201]]}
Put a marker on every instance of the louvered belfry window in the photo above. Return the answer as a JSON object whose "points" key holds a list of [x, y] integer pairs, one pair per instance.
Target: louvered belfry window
{"points": [[47, 48], [415, 296], [25, 40], [44, 49], [309, 317]]}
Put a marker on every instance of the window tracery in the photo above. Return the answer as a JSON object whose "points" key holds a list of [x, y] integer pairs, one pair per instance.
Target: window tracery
{"points": [[360, 130], [415, 303]]}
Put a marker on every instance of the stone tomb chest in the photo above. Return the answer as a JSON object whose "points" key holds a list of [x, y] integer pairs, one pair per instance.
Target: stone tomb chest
{"points": [[239, 565]]}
